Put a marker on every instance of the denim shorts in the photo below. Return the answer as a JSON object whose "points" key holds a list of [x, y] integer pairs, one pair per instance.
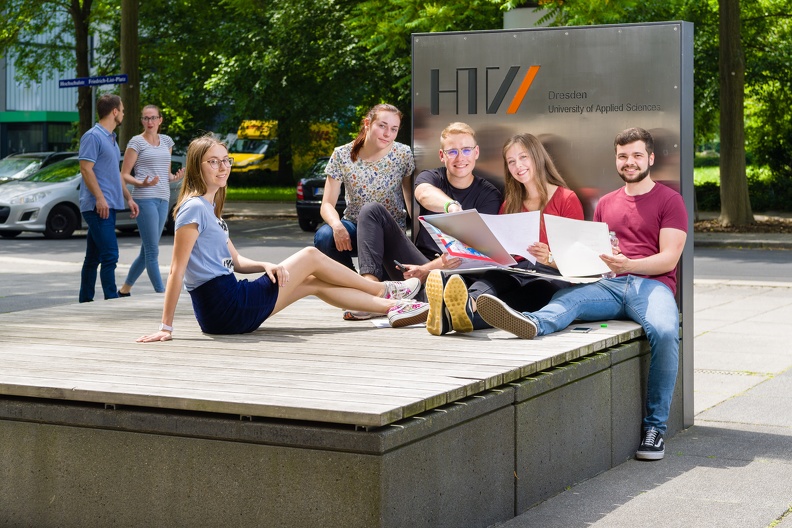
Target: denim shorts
{"points": [[225, 305]]}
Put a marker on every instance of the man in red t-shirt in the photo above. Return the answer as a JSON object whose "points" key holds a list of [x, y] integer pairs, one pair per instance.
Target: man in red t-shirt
{"points": [[650, 221]]}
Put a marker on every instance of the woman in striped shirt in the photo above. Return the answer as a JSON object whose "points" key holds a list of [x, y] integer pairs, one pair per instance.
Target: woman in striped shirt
{"points": [[149, 155]]}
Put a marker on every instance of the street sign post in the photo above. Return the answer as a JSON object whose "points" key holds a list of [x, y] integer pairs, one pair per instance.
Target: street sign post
{"points": [[93, 82], [120, 78]]}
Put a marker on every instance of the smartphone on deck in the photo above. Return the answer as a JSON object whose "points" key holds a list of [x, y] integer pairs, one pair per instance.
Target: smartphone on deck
{"points": [[582, 329]]}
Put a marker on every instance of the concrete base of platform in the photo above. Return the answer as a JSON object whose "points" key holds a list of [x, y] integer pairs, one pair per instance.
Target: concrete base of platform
{"points": [[472, 463]]}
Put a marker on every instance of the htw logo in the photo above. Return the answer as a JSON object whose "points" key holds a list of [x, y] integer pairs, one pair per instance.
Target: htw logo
{"points": [[472, 81]]}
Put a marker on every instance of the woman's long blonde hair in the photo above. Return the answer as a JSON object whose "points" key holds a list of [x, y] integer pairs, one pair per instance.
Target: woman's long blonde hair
{"points": [[545, 172], [193, 183]]}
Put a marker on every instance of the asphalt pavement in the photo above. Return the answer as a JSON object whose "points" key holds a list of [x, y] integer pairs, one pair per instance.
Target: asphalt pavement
{"points": [[733, 467]]}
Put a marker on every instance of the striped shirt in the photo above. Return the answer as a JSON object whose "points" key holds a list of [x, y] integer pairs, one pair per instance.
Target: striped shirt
{"points": [[152, 161]]}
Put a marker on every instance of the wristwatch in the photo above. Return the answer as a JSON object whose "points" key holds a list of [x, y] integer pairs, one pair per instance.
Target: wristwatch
{"points": [[163, 326]]}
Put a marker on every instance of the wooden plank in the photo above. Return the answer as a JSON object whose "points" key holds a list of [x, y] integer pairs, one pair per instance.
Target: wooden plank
{"points": [[305, 363]]}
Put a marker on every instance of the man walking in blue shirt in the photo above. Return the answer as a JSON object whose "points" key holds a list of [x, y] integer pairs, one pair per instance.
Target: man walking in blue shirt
{"points": [[101, 195]]}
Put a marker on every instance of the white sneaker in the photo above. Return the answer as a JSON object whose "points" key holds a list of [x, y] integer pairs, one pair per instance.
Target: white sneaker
{"points": [[399, 290], [350, 315], [408, 313]]}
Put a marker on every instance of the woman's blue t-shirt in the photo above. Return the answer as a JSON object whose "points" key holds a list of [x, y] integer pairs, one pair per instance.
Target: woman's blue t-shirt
{"points": [[210, 255]]}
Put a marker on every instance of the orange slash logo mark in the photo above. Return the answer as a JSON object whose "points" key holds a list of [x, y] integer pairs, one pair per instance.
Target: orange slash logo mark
{"points": [[523, 89]]}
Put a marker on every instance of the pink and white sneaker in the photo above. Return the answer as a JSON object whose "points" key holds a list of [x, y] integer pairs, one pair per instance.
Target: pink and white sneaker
{"points": [[408, 313], [399, 290]]}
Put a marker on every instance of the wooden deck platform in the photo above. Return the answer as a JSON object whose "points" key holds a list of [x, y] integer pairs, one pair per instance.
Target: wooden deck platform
{"points": [[305, 363]]}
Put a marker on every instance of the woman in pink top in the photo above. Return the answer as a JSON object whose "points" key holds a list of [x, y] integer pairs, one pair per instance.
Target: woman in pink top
{"points": [[532, 183]]}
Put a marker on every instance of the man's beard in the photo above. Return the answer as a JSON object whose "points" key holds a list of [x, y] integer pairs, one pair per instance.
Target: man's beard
{"points": [[640, 177]]}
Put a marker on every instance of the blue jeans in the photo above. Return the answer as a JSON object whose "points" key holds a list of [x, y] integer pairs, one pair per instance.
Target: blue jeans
{"points": [[649, 303], [101, 249], [324, 242], [150, 221]]}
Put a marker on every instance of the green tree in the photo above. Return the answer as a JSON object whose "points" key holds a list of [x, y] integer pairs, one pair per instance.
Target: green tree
{"points": [[293, 61], [767, 37], [178, 53], [735, 202], [719, 67], [68, 25], [384, 29], [130, 65]]}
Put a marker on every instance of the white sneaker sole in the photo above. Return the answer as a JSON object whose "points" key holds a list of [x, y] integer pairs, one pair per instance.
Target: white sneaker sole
{"points": [[434, 294], [456, 300]]}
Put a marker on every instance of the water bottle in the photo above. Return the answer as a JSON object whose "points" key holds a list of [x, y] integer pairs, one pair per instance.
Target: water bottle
{"points": [[614, 241]]}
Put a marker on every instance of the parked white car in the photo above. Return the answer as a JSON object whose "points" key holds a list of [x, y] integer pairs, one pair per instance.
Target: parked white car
{"points": [[48, 202]]}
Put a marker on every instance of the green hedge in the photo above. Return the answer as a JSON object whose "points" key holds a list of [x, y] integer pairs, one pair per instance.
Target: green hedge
{"points": [[766, 195]]}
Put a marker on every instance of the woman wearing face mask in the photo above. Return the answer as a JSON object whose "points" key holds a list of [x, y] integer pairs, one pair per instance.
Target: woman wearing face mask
{"points": [[149, 156], [205, 260], [532, 183]]}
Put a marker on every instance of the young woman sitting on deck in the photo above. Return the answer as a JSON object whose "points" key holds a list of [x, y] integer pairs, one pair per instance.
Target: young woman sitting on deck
{"points": [[204, 260]]}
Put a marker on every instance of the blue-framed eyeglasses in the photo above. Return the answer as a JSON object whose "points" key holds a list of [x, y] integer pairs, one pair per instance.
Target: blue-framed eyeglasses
{"points": [[453, 153]]}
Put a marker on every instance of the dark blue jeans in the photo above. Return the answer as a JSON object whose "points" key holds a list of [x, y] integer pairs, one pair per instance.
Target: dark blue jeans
{"points": [[324, 242], [101, 249]]}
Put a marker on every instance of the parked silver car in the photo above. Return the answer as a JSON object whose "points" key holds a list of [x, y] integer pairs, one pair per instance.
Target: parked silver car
{"points": [[18, 166], [49, 202]]}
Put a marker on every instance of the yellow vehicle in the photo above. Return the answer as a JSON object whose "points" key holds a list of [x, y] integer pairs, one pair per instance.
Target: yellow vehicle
{"points": [[255, 150]]}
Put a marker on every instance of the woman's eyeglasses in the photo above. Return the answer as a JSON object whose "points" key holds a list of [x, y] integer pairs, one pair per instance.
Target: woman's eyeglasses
{"points": [[215, 163], [147, 119]]}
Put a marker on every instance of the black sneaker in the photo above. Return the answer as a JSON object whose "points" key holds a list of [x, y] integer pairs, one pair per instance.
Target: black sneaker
{"points": [[652, 445], [438, 321], [499, 315]]}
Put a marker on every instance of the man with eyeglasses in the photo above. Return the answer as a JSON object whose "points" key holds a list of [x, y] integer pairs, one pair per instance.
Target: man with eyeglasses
{"points": [[102, 194], [447, 189]]}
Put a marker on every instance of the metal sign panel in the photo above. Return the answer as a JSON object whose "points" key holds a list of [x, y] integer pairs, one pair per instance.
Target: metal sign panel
{"points": [[574, 88]]}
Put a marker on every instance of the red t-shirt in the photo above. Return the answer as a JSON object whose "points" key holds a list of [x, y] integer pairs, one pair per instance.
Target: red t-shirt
{"points": [[637, 221], [564, 202]]}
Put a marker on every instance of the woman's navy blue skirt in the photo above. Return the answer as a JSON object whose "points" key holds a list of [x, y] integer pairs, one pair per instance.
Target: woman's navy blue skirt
{"points": [[225, 305]]}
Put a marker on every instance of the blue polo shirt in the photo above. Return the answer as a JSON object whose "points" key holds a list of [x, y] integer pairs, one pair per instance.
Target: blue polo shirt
{"points": [[100, 146]]}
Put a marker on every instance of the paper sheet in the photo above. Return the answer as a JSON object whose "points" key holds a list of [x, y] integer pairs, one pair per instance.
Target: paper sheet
{"points": [[577, 244], [494, 236]]}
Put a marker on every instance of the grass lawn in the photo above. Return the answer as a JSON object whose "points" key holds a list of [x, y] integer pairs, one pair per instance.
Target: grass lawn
{"points": [[261, 194], [706, 175]]}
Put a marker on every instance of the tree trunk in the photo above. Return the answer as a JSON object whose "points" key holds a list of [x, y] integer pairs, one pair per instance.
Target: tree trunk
{"points": [[80, 16], [130, 62], [735, 201], [285, 149]]}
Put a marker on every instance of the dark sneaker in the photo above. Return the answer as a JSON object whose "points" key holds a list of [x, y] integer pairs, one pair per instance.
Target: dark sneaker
{"points": [[498, 314], [458, 304], [408, 313], [438, 321], [652, 445]]}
